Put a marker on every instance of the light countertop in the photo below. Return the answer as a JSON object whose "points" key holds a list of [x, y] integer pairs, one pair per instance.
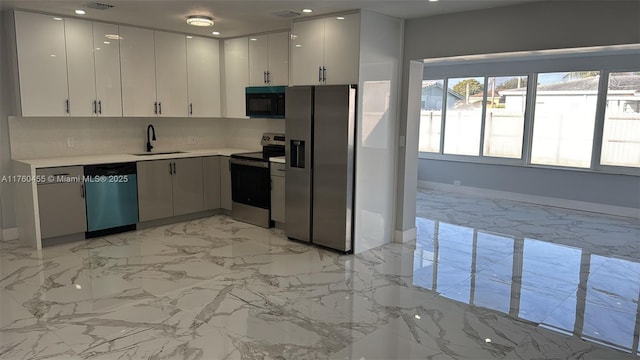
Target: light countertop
{"points": [[278, 159], [120, 158]]}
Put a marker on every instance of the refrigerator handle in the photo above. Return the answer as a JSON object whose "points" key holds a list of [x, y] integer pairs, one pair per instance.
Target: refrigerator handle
{"points": [[297, 154]]}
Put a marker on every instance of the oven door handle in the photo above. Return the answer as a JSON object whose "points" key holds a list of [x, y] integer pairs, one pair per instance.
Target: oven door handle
{"points": [[261, 164]]}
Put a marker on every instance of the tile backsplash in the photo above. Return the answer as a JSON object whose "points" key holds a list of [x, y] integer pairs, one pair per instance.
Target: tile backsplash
{"points": [[48, 137]]}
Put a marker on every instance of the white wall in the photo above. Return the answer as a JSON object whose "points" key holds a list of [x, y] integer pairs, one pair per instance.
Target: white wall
{"points": [[376, 129], [532, 26]]}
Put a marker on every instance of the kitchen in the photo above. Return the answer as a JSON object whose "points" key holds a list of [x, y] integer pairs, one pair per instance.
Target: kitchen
{"points": [[194, 113]]}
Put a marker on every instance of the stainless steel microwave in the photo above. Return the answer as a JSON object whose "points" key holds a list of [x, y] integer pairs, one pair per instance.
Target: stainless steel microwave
{"points": [[265, 101]]}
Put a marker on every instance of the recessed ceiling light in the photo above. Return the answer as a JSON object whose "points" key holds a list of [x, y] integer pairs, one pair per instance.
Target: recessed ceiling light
{"points": [[80, 12], [307, 11], [200, 20], [253, 39], [189, 37], [216, 33], [340, 18], [57, 19]]}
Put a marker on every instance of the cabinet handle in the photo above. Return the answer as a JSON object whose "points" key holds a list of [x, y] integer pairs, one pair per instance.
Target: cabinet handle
{"points": [[319, 73], [160, 107], [155, 108], [174, 168], [170, 169], [264, 77], [191, 109], [95, 107], [67, 106], [83, 193], [324, 74], [268, 77], [100, 107]]}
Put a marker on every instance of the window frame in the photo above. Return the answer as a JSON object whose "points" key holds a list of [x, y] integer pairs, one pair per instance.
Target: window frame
{"points": [[606, 63]]}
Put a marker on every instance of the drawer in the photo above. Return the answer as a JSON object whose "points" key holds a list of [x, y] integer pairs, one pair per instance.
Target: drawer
{"points": [[76, 172], [278, 169]]}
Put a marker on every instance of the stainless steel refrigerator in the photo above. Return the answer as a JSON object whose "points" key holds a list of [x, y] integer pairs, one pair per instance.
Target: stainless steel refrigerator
{"points": [[319, 182]]}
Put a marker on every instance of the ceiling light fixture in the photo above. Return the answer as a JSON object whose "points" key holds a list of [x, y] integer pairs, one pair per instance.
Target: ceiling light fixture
{"points": [[307, 11], [200, 20], [216, 33], [340, 18], [80, 12], [57, 19], [433, 0]]}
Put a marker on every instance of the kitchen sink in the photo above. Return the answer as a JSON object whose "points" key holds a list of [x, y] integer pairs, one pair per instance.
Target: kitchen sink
{"points": [[159, 153]]}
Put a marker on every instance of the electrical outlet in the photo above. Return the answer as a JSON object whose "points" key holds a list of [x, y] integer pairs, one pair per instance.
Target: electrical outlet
{"points": [[191, 140], [457, 182], [70, 142]]}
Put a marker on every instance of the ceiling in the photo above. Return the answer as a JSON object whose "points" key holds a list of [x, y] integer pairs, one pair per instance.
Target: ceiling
{"points": [[241, 17]]}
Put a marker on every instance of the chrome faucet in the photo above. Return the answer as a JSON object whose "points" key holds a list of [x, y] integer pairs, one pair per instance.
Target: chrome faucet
{"points": [[153, 137]]}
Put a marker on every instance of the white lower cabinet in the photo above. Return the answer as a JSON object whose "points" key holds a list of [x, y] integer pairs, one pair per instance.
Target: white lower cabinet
{"points": [[277, 192], [62, 204], [225, 183], [169, 188]]}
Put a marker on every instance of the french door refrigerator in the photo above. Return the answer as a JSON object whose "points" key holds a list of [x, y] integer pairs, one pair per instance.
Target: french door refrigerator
{"points": [[319, 182]]}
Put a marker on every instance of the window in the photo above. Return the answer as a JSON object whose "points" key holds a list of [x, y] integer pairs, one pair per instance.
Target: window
{"points": [[463, 119], [431, 115], [504, 116], [565, 113], [621, 136]]}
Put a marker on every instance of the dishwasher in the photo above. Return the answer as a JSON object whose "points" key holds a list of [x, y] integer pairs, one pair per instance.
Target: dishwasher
{"points": [[111, 198]]}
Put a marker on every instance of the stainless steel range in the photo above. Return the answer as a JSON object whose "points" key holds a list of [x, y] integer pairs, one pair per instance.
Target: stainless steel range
{"points": [[251, 181]]}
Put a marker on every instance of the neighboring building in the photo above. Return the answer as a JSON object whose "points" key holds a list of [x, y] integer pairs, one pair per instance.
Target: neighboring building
{"points": [[432, 96], [623, 95], [492, 97]]}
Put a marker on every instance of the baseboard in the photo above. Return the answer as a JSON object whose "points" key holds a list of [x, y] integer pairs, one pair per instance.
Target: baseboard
{"points": [[9, 234], [534, 199], [403, 236]]}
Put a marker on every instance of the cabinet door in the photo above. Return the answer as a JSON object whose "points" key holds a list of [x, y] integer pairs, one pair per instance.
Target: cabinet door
{"points": [[279, 59], [107, 69], [277, 192], [187, 186], [62, 209], [258, 60], [42, 64], [225, 183], [137, 62], [80, 67], [203, 73], [211, 179], [342, 49], [236, 68], [307, 51], [171, 74], [155, 192]]}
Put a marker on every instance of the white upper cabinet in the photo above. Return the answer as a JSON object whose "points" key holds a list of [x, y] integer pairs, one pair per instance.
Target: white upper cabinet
{"points": [[203, 76], [236, 60], [93, 66], [326, 51], [138, 72], [171, 74], [307, 52], [342, 49], [42, 64], [269, 59], [106, 40], [80, 67]]}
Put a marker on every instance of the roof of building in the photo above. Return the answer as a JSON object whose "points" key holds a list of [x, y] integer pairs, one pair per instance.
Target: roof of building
{"points": [[426, 84]]}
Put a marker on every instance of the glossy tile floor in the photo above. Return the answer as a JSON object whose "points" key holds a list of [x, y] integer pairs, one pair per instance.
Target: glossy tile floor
{"points": [[485, 280]]}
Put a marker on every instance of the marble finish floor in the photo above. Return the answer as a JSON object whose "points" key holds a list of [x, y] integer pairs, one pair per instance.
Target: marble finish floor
{"points": [[486, 279]]}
